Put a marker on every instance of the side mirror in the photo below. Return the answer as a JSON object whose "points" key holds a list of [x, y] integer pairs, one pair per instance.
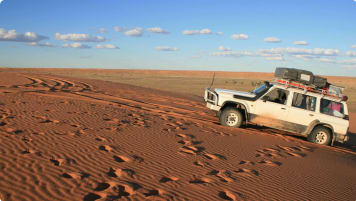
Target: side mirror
{"points": [[265, 98]]}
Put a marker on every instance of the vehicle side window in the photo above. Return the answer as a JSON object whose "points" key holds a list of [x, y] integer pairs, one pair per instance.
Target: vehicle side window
{"points": [[331, 108], [304, 102], [278, 96]]}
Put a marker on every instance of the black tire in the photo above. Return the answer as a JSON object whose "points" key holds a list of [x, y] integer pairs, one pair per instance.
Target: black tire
{"points": [[231, 117], [320, 135]]}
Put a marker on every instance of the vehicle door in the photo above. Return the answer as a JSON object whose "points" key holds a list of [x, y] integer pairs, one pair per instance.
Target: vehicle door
{"points": [[271, 110], [335, 114], [302, 112]]}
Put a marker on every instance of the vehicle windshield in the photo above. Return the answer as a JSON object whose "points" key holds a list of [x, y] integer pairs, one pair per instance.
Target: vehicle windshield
{"points": [[259, 89]]}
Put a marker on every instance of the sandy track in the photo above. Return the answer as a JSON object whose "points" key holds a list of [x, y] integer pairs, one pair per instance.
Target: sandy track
{"points": [[73, 139]]}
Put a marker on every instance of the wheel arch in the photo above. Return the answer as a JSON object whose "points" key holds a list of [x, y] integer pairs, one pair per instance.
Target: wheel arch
{"points": [[316, 124], [237, 105]]}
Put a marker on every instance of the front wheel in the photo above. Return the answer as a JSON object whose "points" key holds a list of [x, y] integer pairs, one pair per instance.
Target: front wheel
{"points": [[320, 135], [231, 117]]}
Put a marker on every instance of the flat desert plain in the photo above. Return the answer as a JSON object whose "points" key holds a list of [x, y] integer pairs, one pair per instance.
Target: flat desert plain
{"points": [[76, 134]]}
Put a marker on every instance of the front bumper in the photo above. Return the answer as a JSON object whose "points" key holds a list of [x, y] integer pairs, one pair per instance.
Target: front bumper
{"points": [[213, 107], [211, 99]]}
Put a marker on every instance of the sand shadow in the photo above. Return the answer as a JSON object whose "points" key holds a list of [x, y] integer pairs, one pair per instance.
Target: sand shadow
{"points": [[350, 144]]}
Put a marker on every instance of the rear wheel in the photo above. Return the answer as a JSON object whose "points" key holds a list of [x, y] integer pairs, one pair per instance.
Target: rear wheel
{"points": [[320, 135], [231, 117]]}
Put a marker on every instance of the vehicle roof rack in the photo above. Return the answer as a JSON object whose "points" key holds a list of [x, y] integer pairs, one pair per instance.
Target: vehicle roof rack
{"points": [[332, 91]]}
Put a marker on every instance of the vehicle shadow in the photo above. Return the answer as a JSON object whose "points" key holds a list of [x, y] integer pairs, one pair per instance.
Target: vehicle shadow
{"points": [[350, 144]]}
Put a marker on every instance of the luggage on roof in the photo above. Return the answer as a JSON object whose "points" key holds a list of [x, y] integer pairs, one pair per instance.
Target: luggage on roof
{"points": [[286, 73], [305, 76], [320, 82], [294, 74], [302, 76]]}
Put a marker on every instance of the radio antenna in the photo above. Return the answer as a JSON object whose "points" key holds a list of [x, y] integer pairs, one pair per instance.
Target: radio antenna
{"points": [[212, 82]]}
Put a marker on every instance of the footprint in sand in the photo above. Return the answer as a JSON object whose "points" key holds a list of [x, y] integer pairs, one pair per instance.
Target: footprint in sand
{"points": [[154, 192], [246, 162], [223, 175], [228, 195], [189, 142], [283, 151], [106, 148], [121, 159], [113, 191], [112, 121], [57, 162], [193, 150], [118, 172], [26, 139], [28, 151], [185, 136], [201, 164], [202, 180], [168, 179], [50, 121], [298, 155], [99, 138], [137, 158], [214, 156], [13, 130], [61, 161], [247, 172], [75, 175], [270, 163]]}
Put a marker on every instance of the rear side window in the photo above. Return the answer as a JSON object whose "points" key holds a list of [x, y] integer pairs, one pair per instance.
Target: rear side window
{"points": [[331, 108], [304, 102]]}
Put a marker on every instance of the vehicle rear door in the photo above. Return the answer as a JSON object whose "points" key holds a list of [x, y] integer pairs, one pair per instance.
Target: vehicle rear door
{"points": [[302, 112]]}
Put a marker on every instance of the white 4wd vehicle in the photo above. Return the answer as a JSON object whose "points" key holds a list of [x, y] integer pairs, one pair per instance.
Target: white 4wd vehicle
{"points": [[322, 119]]}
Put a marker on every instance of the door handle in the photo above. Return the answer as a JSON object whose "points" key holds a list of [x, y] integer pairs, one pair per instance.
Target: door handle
{"points": [[311, 115], [283, 108]]}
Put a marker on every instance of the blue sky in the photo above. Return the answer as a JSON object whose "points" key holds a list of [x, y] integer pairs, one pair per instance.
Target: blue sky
{"points": [[229, 35]]}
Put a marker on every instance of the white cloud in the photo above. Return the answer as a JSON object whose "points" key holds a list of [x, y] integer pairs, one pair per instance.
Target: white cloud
{"points": [[353, 46], [76, 45], [219, 33], [197, 32], [157, 30], [1, 1], [306, 56], [278, 54], [276, 58], [300, 43], [344, 62], [107, 46], [120, 29], [79, 37], [302, 51], [272, 40], [12, 35], [46, 44], [239, 36], [232, 53], [273, 57], [166, 48], [102, 30], [351, 54], [137, 32], [222, 48]]}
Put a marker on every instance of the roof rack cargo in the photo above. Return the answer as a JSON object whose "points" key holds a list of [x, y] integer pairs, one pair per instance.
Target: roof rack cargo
{"points": [[331, 91]]}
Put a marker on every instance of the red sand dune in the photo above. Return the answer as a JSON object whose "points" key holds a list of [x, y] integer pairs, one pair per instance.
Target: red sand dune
{"points": [[74, 139]]}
